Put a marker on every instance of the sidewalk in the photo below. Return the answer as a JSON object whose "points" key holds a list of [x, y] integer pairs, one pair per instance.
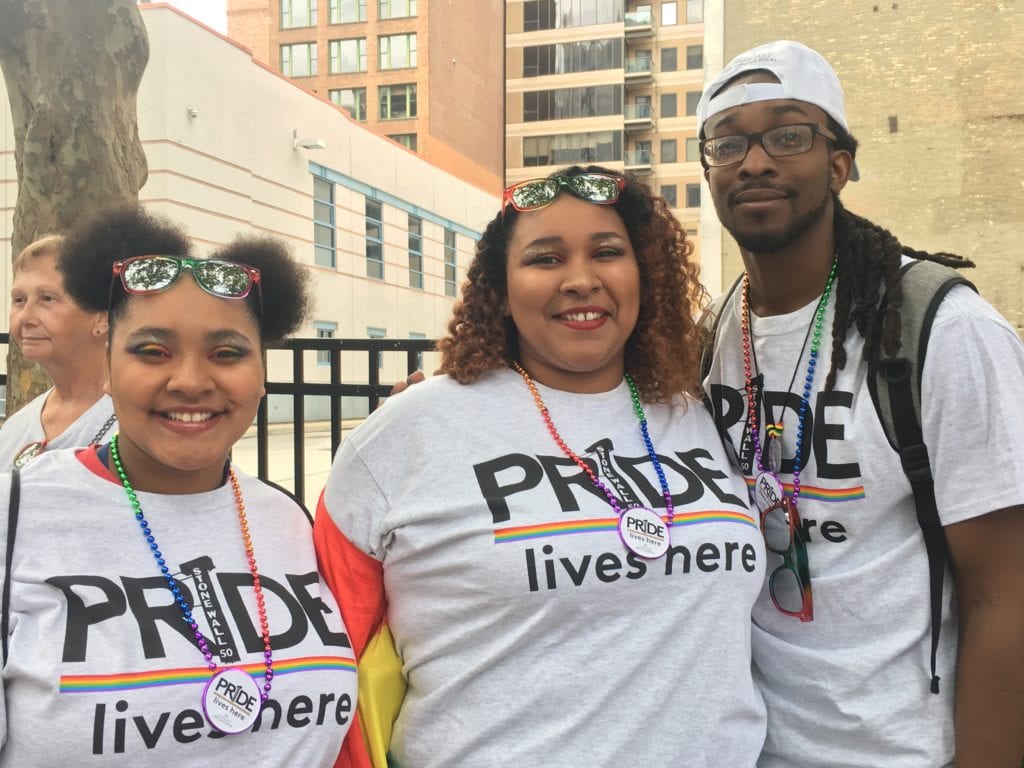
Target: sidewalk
{"points": [[281, 456]]}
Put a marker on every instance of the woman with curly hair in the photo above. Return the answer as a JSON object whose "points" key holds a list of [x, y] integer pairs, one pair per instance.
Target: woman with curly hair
{"points": [[161, 607], [561, 552]]}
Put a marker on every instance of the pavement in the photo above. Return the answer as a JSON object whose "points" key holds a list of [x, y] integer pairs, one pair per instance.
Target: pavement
{"points": [[317, 449]]}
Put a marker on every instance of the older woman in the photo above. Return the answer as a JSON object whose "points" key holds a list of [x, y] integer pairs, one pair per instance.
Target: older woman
{"points": [[165, 608], [563, 555]]}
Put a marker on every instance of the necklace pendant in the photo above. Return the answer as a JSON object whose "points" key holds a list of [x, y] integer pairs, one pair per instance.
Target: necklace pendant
{"points": [[231, 700], [644, 533], [768, 491], [774, 453]]}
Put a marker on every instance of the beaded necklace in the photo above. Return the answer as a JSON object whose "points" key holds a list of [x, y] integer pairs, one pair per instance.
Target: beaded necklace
{"points": [[232, 699], [768, 489], [641, 529]]}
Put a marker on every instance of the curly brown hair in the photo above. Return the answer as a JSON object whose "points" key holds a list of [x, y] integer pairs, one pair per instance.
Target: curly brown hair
{"points": [[662, 353]]}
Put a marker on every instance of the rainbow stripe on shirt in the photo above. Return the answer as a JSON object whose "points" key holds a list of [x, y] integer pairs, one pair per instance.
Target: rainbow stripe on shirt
{"points": [[603, 524]]}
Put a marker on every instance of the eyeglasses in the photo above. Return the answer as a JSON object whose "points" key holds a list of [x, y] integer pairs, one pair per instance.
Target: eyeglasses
{"points": [[599, 188], [790, 584], [151, 274], [782, 141]]}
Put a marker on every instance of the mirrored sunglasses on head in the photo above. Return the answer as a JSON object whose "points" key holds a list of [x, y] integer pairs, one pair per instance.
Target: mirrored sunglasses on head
{"points": [[599, 188], [151, 274]]}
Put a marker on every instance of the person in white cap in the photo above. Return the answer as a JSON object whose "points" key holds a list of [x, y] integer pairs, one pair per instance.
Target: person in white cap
{"points": [[844, 667]]}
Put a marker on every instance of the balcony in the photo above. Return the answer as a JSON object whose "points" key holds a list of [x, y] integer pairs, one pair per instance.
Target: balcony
{"points": [[638, 25], [638, 160], [638, 117], [638, 71]]}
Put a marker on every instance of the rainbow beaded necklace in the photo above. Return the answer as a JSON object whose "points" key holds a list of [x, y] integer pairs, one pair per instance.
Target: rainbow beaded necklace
{"points": [[179, 598], [774, 430], [648, 444]]}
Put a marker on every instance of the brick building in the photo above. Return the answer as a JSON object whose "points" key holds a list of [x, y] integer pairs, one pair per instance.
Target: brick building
{"points": [[934, 95], [426, 73]]}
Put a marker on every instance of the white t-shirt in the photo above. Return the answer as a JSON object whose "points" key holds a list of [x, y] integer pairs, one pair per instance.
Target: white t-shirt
{"points": [[528, 634], [97, 643], [26, 426], [851, 688]]}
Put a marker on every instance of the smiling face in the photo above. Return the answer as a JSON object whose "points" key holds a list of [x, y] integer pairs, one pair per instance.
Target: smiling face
{"points": [[185, 372], [573, 293], [45, 323], [769, 203]]}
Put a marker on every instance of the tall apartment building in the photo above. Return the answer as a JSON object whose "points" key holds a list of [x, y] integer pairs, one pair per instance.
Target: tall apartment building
{"points": [[933, 94], [612, 82], [425, 73]]}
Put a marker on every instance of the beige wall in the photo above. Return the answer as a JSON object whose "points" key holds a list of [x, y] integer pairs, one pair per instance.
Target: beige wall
{"points": [[951, 177]]}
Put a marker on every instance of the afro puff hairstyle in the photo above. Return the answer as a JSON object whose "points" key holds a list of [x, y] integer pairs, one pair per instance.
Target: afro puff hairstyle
{"points": [[87, 261], [284, 283], [86, 264]]}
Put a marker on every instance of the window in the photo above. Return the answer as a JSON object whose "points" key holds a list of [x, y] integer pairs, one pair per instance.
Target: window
{"points": [[894, 123], [407, 140], [450, 262], [668, 150], [298, 59], [298, 13], [694, 56], [572, 102], [545, 14], [668, 193], [668, 105], [377, 333], [415, 251], [374, 239], [561, 58], [397, 101], [693, 195], [397, 51], [692, 100], [347, 55], [396, 9], [324, 330], [569, 148], [345, 11], [352, 100], [692, 150], [323, 222], [668, 14], [694, 11], [669, 59]]}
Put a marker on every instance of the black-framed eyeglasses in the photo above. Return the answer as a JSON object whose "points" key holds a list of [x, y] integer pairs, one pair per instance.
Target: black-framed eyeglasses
{"points": [[790, 584], [781, 141]]}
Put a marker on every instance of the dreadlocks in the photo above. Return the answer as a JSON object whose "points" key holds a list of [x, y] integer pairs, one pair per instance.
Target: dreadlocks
{"points": [[869, 259]]}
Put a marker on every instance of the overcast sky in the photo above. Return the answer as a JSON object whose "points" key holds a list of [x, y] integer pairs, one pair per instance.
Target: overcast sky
{"points": [[211, 12]]}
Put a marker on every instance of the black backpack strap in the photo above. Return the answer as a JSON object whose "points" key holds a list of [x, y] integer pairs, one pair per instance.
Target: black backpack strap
{"points": [[12, 527], [896, 393]]}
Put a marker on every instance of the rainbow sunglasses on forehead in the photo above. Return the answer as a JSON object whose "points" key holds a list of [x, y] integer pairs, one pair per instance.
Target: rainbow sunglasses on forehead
{"points": [[152, 274], [598, 188]]}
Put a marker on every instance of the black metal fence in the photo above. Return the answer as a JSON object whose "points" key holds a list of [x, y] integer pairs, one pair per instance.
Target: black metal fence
{"points": [[297, 389]]}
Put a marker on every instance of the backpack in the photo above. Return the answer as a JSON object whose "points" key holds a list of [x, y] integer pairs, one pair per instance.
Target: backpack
{"points": [[896, 394]]}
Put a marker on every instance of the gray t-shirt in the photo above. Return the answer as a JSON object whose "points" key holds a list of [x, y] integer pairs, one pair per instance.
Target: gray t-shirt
{"points": [[529, 635], [851, 688], [26, 426], [102, 669]]}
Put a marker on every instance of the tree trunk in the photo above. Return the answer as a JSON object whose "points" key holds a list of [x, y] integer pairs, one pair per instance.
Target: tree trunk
{"points": [[72, 69]]}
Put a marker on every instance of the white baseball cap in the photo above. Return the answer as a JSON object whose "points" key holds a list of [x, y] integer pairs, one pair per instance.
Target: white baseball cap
{"points": [[803, 75]]}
